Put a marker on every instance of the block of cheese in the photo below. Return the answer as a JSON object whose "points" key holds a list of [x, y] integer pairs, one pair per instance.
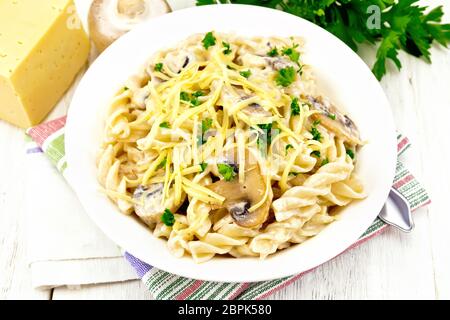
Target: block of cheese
{"points": [[42, 48]]}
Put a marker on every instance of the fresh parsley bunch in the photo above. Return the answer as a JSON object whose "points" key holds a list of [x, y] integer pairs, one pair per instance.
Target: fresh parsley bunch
{"points": [[402, 24]]}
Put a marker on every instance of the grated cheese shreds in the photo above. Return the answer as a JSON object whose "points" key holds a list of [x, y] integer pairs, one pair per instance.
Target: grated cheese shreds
{"points": [[220, 107]]}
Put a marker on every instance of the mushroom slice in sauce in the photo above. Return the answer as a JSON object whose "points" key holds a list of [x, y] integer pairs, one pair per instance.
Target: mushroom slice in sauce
{"points": [[255, 110], [278, 63], [178, 60], [240, 197], [149, 205], [334, 120]]}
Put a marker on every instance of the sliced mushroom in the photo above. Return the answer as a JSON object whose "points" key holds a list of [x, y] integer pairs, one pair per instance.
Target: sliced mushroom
{"points": [[177, 60], [110, 19], [252, 60], [334, 120], [149, 205], [240, 197], [140, 96], [278, 63], [255, 110]]}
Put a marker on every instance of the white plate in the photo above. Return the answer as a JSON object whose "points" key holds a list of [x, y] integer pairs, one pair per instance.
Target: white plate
{"points": [[339, 71]]}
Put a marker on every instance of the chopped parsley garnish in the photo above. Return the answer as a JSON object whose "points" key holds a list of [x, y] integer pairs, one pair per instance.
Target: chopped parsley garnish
{"points": [[350, 153], [168, 218], [195, 102], [126, 88], [209, 40], [289, 146], [293, 54], [265, 138], [198, 94], [325, 161], [184, 96], [295, 107], [332, 116], [203, 166], [226, 171], [206, 124], [286, 76], [245, 74], [165, 125], [159, 67], [192, 98], [267, 127], [294, 173], [162, 164], [316, 134], [227, 48], [316, 153], [273, 52]]}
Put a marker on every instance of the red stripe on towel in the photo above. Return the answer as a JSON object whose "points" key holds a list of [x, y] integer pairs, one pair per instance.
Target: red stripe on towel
{"points": [[41, 132]]}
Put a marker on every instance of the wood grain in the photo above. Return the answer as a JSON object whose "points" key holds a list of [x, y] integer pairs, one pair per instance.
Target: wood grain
{"points": [[15, 279], [132, 290]]}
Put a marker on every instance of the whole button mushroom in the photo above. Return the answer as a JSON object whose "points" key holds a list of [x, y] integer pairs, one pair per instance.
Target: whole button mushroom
{"points": [[110, 19]]}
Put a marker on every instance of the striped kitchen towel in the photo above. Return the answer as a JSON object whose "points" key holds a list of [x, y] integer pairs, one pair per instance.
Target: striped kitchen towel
{"points": [[49, 138]]}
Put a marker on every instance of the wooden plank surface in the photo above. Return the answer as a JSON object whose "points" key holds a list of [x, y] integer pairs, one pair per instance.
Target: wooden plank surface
{"points": [[15, 278], [393, 265], [133, 290]]}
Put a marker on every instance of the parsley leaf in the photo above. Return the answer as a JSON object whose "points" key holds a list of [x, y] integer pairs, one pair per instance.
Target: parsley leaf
{"points": [[184, 96], [203, 166], [195, 102], [162, 164], [198, 94], [295, 107], [293, 54], [267, 127], [316, 153], [168, 218], [273, 52], [325, 161], [286, 76], [193, 98], [332, 116], [165, 125], [226, 171], [350, 153], [227, 48], [316, 134], [245, 74], [399, 25], [209, 40], [206, 124], [159, 67], [289, 146]]}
